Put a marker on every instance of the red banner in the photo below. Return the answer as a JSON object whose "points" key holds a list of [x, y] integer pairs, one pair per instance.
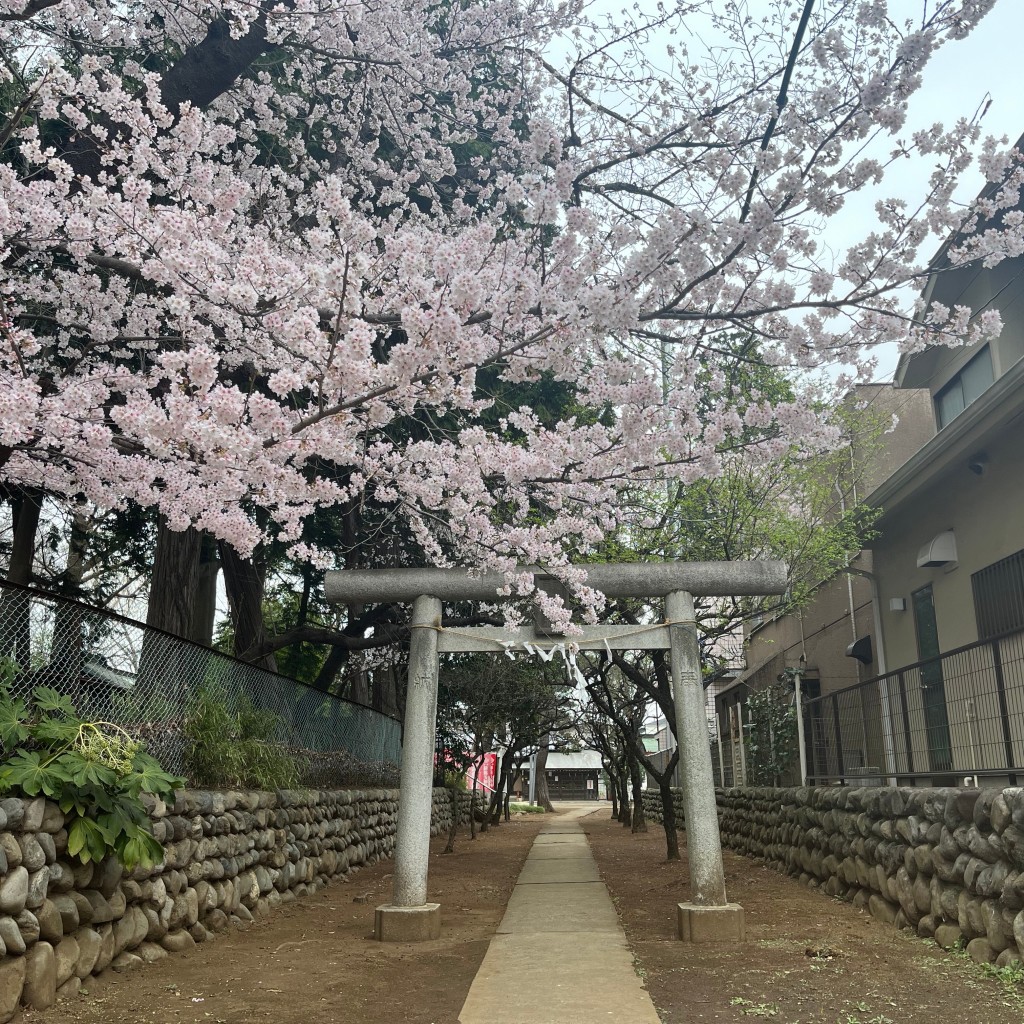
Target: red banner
{"points": [[485, 773]]}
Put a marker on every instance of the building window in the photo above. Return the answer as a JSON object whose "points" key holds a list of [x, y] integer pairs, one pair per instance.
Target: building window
{"points": [[966, 387], [999, 596]]}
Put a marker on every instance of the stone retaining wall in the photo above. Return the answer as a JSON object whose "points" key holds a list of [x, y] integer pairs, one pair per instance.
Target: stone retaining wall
{"points": [[230, 857], [948, 863]]}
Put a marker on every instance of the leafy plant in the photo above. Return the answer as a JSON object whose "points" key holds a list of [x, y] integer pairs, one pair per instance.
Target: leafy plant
{"points": [[1010, 977], [8, 670], [772, 740], [234, 743], [95, 771]]}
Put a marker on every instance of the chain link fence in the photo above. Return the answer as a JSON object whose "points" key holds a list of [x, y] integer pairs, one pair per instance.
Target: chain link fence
{"points": [[146, 681]]}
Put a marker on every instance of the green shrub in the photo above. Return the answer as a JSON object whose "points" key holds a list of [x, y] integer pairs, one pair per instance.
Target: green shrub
{"points": [[525, 809], [95, 771], [233, 743]]}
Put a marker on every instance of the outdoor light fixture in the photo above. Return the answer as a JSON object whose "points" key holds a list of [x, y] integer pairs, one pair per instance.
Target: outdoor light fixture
{"points": [[978, 463]]}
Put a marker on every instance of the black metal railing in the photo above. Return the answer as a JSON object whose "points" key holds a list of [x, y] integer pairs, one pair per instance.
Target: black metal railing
{"points": [[938, 721], [146, 681]]}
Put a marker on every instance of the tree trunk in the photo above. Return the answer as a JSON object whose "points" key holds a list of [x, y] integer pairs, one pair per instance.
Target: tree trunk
{"points": [[67, 650], [639, 822], [204, 611], [668, 817], [450, 845], [500, 785], [625, 818], [493, 812], [389, 699], [637, 754], [26, 509], [175, 580], [485, 799], [472, 809], [15, 623], [243, 581], [541, 785], [613, 788], [376, 679], [509, 783], [169, 668], [358, 688], [333, 664]]}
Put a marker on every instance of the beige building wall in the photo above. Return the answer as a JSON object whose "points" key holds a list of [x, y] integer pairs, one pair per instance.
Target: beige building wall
{"points": [[915, 425], [986, 515]]}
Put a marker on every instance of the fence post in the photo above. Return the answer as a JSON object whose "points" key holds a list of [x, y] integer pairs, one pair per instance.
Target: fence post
{"points": [[721, 759], [839, 737], [890, 751], [906, 723], [734, 769], [1004, 712], [798, 701], [742, 744], [971, 719]]}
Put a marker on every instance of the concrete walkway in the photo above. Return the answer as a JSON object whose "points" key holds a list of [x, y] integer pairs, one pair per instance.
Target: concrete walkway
{"points": [[559, 955]]}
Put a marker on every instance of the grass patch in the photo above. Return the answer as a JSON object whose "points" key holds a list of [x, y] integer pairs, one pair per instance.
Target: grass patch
{"points": [[751, 1009], [1011, 978], [525, 809]]}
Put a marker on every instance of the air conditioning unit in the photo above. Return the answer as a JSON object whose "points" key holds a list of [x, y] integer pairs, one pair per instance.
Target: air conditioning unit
{"points": [[869, 775]]}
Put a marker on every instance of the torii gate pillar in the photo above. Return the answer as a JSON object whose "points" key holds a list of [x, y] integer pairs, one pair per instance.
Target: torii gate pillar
{"points": [[708, 916], [409, 917]]}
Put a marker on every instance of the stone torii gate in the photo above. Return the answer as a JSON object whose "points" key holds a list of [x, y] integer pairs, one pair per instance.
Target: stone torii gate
{"points": [[409, 917]]}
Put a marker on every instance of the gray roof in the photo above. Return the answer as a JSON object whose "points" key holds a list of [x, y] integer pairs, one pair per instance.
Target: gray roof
{"points": [[584, 759]]}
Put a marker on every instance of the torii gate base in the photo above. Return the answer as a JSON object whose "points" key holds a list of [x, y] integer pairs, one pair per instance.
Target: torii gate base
{"points": [[407, 924], [695, 923], [409, 917]]}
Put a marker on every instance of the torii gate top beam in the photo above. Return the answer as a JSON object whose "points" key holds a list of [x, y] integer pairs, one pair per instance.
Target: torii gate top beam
{"points": [[626, 579]]}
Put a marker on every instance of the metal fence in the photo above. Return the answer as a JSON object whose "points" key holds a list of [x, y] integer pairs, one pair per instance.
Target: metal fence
{"points": [[939, 721], [146, 681]]}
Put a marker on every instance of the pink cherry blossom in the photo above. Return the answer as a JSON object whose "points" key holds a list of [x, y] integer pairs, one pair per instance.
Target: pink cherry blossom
{"points": [[219, 282]]}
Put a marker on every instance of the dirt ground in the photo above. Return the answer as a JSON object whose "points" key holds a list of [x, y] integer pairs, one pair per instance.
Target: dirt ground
{"points": [[810, 959], [315, 960]]}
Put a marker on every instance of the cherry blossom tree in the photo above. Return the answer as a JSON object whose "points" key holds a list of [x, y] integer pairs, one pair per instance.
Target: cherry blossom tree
{"points": [[244, 245]]}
